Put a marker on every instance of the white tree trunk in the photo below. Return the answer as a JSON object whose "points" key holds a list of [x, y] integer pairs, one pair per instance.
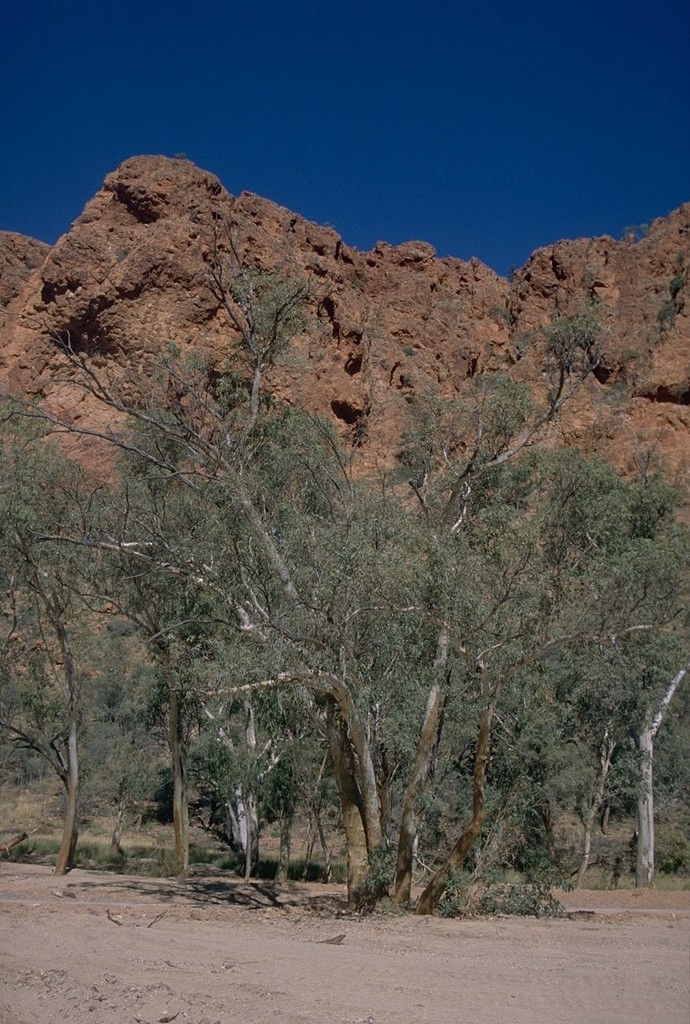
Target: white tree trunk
{"points": [[419, 777], [246, 802], [644, 870]]}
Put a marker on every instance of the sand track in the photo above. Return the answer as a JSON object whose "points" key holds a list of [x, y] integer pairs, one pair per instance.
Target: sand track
{"points": [[108, 949]]}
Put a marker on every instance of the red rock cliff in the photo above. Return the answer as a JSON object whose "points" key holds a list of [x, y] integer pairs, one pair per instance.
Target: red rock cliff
{"points": [[130, 277]]}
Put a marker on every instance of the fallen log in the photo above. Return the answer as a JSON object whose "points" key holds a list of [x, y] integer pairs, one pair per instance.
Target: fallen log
{"points": [[6, 847]]}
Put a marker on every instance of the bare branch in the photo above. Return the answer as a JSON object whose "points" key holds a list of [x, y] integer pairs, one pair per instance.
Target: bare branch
{"points": [[667, 698]]}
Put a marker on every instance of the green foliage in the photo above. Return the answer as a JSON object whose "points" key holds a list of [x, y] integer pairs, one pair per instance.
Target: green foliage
{"points": [[95, 854], [673, 850], [667, 314], [501, 315], [273, 307], [453, 903], [34, 848], [533, 899], [121, 751], [254, 567], [465, 896], [379, 880], [449, 438], [676, 285], [572, 342]]}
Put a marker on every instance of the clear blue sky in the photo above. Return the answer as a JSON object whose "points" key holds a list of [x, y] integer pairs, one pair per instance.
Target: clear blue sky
{"points": [[487, 128]]}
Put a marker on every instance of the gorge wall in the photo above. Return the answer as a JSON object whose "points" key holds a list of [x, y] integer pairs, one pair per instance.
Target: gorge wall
{"points": [[131, 276]]}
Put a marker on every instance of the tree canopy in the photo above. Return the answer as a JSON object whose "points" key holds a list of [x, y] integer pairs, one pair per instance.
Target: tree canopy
{"points": [[487, 627]]}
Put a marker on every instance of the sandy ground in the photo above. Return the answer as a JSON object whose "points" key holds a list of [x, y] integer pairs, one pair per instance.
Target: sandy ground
{"points": [[110, 949]]}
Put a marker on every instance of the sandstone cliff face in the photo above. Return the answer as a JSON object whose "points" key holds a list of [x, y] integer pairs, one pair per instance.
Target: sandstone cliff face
{"points": [[19, 255], [131, 276], [637, 407]]}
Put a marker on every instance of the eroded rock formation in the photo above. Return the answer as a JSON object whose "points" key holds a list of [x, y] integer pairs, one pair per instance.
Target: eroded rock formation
{"points": [[131, 277]]}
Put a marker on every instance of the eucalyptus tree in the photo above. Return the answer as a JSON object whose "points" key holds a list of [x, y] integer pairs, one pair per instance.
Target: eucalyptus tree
{"points": [[154, 587], [456, 449], [352, 640], [122, 748], [671, 784], [46, 645], [202, 443], [185, 448], [558, 559], [287, 551], [662, 693], [624, 559], [495, 624]]}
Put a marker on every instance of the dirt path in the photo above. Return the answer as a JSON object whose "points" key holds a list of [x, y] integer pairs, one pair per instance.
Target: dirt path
{"points": [[111, 949]]}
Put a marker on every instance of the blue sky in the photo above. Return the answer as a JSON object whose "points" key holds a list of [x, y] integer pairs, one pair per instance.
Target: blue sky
{"points": [[487, 128]]}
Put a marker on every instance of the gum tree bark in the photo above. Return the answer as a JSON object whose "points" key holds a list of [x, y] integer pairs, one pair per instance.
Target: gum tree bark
{"points": [[409, 823], [429, 899], [352, 809], [644, 869], [250, 813], [70, 831]]}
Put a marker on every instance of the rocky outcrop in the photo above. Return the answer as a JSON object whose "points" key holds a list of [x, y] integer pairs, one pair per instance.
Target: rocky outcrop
{"points": [[131, 277], [637, 408], [19, 256]]}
